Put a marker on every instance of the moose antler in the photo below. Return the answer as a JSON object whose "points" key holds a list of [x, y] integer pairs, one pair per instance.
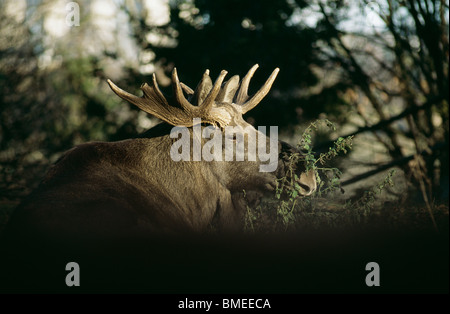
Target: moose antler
{"points": [[242, 96], [208, 102]]}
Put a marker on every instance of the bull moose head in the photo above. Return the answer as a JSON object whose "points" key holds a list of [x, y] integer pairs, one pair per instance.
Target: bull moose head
{"points": [[137, 185]]}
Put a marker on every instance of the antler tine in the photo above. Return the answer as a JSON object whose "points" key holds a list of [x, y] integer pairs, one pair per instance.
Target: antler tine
{"points": [[249, 105], [202, 90], [150, 93], [154, 103], [179, 96], [124, 94], [242, 95], [207, 104], [155, 91], [228, 90], [187, 89]]}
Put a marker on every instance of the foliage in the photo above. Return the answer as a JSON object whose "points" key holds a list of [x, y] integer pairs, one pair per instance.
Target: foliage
{"points": [[326, 183], [308, 156], [291, 208], [361, 208]]}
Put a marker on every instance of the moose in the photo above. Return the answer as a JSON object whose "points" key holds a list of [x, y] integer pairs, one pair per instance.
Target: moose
{"points": [[134, 186]]}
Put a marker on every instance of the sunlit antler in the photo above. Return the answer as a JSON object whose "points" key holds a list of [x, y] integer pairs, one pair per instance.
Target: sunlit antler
{"points": [[242, 96], [208, 102]]}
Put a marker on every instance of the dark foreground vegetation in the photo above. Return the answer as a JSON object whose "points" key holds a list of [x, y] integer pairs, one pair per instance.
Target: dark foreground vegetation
{"points": [[325, 250]]}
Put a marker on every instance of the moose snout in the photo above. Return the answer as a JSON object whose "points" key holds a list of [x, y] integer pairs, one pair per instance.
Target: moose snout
{"points": [[307, 182], [306, 179]]}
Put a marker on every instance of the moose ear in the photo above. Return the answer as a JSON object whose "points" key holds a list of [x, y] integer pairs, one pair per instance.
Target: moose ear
{"points": [[228, 91]]}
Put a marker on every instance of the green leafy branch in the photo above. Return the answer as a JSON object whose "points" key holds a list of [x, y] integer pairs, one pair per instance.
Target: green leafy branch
{"points": [[288, 184], [364, 205]]}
